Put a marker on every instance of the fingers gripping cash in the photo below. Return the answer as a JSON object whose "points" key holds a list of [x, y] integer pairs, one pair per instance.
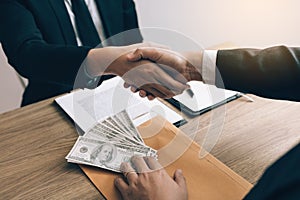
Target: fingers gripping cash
{"points": [[109, 143]]}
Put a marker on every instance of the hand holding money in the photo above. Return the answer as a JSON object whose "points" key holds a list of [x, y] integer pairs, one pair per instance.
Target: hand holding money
{"points": [[109, 143]]}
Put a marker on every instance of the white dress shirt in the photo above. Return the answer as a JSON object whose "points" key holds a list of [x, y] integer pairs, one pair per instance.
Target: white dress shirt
{"points": [[95, 17], [209, 66]]}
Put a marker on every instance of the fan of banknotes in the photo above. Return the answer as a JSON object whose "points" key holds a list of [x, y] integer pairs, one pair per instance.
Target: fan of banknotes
{"points": [[109, 143]]}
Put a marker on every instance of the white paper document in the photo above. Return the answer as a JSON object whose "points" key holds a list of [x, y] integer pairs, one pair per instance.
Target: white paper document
{"points": [[86, 107]]}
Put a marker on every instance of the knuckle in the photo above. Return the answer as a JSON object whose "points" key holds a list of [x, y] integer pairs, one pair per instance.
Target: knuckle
{"points": [[181, 64], [144, 177], [134, 182], [138, 51], [155, 51]]}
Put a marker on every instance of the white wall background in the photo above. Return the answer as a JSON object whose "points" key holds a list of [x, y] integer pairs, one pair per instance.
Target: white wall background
{"points": [[11, 88], [256, 23]]}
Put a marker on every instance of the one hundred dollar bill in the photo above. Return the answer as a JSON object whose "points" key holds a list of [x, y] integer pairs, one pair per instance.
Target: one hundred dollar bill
{"points": [[103, 154], [101, 132]]}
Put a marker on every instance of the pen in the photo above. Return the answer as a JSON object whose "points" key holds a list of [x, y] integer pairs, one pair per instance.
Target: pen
{"points": [[190, 92], [246, 97]]}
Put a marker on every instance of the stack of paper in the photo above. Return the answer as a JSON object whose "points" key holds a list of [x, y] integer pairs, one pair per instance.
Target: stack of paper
{"points": [[86, 107], [109, 143]]}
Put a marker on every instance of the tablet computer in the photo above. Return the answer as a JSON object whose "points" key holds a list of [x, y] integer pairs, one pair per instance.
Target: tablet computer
{"points": [[202, 98]]}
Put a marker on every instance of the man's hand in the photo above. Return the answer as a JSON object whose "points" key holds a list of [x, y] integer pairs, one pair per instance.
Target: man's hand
{"points": [[150, 181], [143, 74], [147, 76], [187, 64], [181, 67]]}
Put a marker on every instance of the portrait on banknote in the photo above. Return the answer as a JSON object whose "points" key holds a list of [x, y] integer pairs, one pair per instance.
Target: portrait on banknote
{"points": [[103, 154]]}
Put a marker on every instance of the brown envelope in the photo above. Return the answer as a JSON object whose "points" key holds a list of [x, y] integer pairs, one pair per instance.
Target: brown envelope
{"points": [[207, 178]]}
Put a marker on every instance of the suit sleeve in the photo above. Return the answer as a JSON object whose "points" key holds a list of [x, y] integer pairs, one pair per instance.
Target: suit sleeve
{"points": [[273, 72], [30, 54], [281, 180]]}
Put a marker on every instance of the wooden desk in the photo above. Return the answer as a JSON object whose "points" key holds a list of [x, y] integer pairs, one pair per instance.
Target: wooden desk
{"points": [[35, 139], [254, 134]]}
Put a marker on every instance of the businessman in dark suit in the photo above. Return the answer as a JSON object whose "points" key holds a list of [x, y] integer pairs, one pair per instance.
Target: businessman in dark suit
{"points": [[41, 43], [273, 72]]}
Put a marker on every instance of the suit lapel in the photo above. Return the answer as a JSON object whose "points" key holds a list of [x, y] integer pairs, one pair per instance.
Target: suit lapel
{"points": [[110, 12], [63, 18], [111, 16]]}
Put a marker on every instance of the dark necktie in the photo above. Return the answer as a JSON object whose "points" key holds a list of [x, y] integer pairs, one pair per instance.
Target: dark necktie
{"points": [[84, 24]]}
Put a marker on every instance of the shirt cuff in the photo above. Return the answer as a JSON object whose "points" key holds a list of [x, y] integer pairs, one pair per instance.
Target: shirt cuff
{"points": [[209, 66], [91, 80]]}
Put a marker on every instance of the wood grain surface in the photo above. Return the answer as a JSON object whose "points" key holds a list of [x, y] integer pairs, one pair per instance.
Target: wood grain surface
{"points": [[35, 139], [251, 135]]}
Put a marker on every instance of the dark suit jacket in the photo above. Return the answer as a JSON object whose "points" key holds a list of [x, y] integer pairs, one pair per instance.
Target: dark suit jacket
{"points": [[281, 180], [273, 72], [38, 38]]}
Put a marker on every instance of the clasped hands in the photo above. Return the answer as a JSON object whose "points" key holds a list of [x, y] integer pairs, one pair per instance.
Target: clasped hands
{"points": [[170, 72], [151, 70]]}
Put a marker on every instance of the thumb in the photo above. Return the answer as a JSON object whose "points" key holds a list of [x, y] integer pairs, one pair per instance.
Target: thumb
{"points": [[179, 178], [135, 56]]}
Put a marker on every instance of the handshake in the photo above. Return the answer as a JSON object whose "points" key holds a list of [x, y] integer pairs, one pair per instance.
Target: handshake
{"points": [[150, 69]]}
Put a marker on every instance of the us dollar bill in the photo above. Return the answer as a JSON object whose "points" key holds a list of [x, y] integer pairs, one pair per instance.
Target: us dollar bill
{"points": [[104, 154], [101, 132], [124, 117]]}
